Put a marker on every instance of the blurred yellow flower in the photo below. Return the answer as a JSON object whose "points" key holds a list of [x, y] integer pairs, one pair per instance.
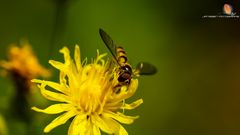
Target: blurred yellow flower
{"points": [[86, 92], [22, 61], [3, 126]]}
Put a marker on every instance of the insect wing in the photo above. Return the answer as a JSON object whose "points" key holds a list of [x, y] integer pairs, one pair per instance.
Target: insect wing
{"points": [[108, 42], [144, 68]]}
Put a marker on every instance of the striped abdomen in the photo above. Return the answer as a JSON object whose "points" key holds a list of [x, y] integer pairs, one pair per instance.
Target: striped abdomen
{"points": [[121, 56]]}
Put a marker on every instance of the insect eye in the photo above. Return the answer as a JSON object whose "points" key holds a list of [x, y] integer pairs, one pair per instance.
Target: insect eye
{"points": [[127, 68]]}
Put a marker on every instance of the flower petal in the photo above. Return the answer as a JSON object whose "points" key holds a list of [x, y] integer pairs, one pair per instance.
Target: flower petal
{"points": [[115, 105], [101, 124], [77, 58], [113, 125], [107, 125], [54, 109], [132, 105], [90, 127], [120, 117], [96, 130], [74, 128], [53, 85], [58, 65], [62, 79], [66, 54], [59, 120], [122, 131], [53, 95], [83, 127]]}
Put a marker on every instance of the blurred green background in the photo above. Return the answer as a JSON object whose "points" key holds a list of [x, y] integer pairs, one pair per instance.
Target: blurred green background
{"points": [[197, 88]]}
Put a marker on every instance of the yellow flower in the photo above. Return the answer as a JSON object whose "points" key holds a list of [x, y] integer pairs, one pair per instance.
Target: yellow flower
{"points": [[22, 61], [86, 92]]}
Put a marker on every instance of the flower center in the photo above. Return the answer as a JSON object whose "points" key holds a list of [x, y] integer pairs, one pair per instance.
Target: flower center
{"points": [[93, 89]]}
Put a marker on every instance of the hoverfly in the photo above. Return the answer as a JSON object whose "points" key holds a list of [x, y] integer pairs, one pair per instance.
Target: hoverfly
{"points": [[125, 72]]}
